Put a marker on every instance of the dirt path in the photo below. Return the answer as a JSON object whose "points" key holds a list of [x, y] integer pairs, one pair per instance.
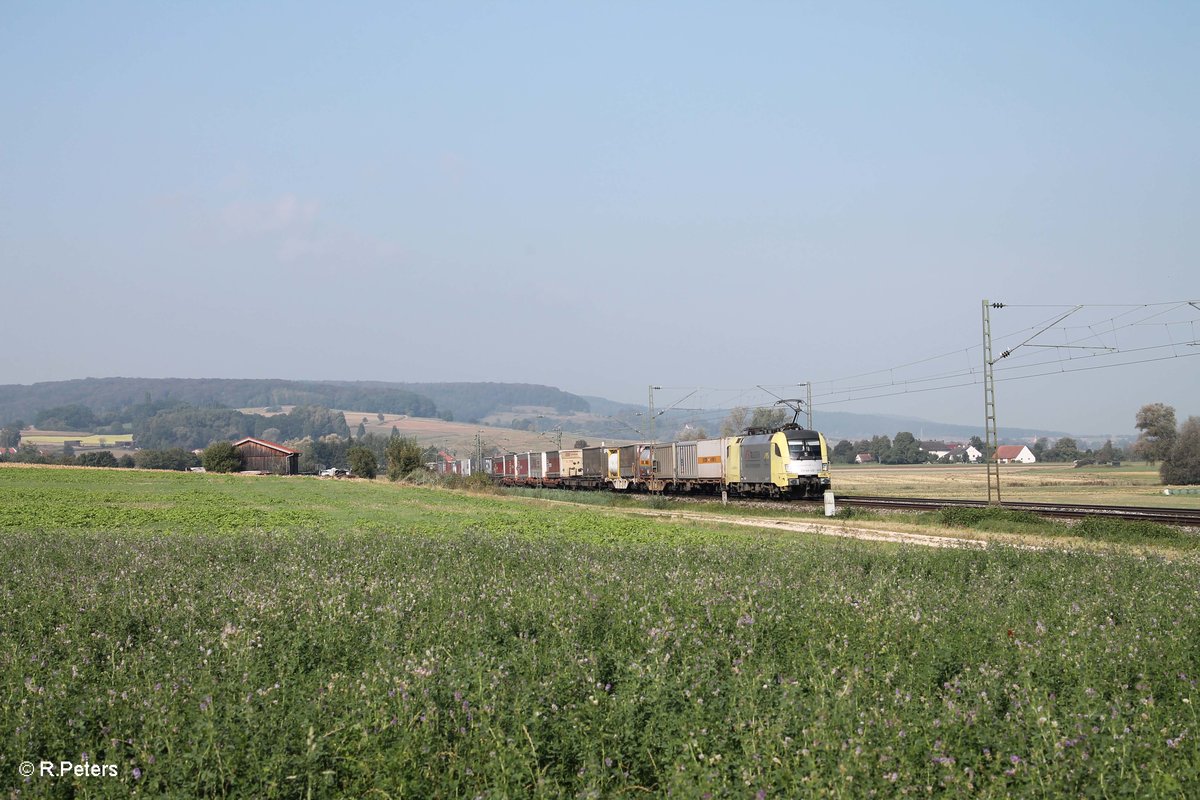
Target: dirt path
{"points": [[823, 528]]}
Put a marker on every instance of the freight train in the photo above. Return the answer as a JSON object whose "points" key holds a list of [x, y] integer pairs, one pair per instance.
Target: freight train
{"points": [[787, 462]]}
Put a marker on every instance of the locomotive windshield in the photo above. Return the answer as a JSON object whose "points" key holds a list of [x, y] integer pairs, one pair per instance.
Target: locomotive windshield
{"points": [[804, 449]]}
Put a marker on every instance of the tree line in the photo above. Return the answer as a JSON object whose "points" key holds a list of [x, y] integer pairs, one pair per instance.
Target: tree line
{"points": [[193, 428], [401, 455], [165, 425], [176, 459], [398, 455], [463, 401], [107, 395]]}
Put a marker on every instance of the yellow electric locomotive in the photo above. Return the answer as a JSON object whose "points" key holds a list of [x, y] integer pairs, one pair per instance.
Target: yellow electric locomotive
{"points": [[789, 462]]}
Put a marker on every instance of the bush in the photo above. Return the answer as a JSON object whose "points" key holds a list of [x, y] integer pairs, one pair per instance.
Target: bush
{"points": [[362, 462], [1130, 531], [478, 482], [403, 456], [176, 458], [984, 517], [101, 459], [222, 457]]}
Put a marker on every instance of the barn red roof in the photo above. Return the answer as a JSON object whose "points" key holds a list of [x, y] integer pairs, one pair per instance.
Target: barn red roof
{"points": [[287, 451], [1009, 450]]}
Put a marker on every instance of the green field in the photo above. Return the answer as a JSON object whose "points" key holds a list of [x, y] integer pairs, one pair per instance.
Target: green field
{"points": [[271, 637]]}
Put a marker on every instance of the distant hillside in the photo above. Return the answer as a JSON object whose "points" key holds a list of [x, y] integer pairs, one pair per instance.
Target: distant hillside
{"points": [[609, 408], [461, 401], [111, 394], [468, 402], [845, 425], [838, 425]]}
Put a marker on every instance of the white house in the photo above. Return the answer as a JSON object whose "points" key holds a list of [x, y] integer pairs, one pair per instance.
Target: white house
{"points": [[937, 449], [1010, 453]]}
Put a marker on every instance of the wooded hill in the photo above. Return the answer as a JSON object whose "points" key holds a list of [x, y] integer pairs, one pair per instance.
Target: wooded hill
{"points": [[460, 401]]}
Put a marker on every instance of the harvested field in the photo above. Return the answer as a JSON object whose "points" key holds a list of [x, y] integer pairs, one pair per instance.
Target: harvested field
{"points": [[1127, 485]]}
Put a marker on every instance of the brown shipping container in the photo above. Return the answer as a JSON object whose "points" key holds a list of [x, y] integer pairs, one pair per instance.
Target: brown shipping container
{"points": [[595, 462]]}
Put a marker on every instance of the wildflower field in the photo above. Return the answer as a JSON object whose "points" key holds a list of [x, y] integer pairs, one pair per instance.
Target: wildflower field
{"points": [[272, 637]]}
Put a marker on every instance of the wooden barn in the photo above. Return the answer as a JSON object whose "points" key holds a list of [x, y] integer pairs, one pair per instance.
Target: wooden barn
{"points": [[264, 456]]}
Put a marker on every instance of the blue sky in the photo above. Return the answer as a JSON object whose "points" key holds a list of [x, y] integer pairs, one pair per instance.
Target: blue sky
{"points": [[703, 196]]}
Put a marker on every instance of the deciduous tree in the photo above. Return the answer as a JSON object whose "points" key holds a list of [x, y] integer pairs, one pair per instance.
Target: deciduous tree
{"points": [[10, 436], [1182, 464], [1065, 449], [735, 423], [72, 418], [1156, 421], [881, 448], [768, 418], [905, 450]]}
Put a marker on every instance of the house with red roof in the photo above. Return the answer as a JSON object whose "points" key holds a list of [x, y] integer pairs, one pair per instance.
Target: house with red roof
{"points": [[1014, 454]]}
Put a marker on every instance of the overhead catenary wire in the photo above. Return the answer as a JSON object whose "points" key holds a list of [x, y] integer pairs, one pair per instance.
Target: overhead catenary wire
{"points": [[1097, 344]]}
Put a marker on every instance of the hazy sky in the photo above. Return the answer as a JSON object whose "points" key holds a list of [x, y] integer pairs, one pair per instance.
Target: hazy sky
{"points": [[605, 196]]}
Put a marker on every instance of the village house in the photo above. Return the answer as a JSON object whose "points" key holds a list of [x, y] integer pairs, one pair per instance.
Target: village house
{"points": [[938, 449], [1014, 454]]}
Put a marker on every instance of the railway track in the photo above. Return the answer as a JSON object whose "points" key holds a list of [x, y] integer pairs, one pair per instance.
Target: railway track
{"points": [[1187, 517], [1182, 517]]}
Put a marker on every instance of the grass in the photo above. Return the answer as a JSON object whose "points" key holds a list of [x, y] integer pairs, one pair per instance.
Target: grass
{"points": [[270, 637], [949, 520]]}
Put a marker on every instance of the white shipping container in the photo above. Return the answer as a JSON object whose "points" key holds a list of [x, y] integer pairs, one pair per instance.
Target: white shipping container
{"points": [[709, 458]]}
